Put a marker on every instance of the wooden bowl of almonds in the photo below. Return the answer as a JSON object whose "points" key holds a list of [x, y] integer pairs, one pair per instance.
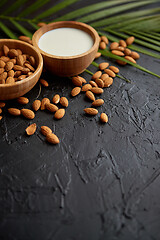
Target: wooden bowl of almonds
{"points": [[20, 68]]}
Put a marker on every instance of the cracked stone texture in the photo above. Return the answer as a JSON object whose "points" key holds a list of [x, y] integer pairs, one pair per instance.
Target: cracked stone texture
{"points": [[102, 181]]}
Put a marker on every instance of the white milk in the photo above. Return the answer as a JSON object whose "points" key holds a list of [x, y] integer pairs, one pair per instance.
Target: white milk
{"points": [[65, 42]]}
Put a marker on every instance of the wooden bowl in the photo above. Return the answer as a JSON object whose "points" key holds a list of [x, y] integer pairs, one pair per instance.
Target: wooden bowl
{"points": [[70, 65], [11, 91]]}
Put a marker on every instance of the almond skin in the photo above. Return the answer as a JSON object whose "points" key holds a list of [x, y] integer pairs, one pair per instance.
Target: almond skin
{"points": [[20, 60], [122, 43], [121, 62], [110, 72], [10, 80], [5, 50], [99, 82], [0, 110], [21, 77], [41, 24], [44, 83], [90, 95], [59, 113], [1, 70], [98, 102], [130, 40], [86, 87], [114, 45], [75, 91], [93, 84], [103, 65], [29, 66], [10, 73], [127, 51], [52, 138], [108, 82], [91, 111], [23, 100], [104, 76], [77, 81], [36, 105], [32, 60], [102, 45], [14, 111], [30, 130], [97, 75], [27, 113], [97, 90], [98, 54], [117, 52], [5, 59], [56, 99], [3, 76], [104, 39], [43, 103], [2, 64], [130, 59], [104, 118], [18, 68], [9, 66], [12, 53], [24, 38], [135, 55], [114, 69], [64, 101], [45, 130], [51, 107], [83, 79]]}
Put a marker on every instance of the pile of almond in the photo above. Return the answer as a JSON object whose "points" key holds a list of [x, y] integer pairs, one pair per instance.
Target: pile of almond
{"points": [[15, 65]]}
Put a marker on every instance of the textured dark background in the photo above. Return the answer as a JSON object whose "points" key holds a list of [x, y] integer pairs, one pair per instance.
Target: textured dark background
{"points": [[102, 181]]}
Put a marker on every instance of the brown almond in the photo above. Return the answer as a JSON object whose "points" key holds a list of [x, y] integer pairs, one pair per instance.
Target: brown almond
{"points": [[83, 79], [98, 102], [2, 104], [20, 60], [122, 43], [98, 54], [77, 81], [127, 51], [97, 90], [104, 76], [135, 55], [44, 83], [5, 50], [13, 60], [29, 73], [43, 103], [24, 38], [108, 82], [97, 75], [41, 24], [10, 73], [91, 111], [103, 65], [114, 69], [104, 118], [99, 82], [120, 48], [90, 95], [5, 59], [36, 105], [86, 87], [29, 66], [12, 53], [32, 61], [18, 68], [45, 130], [110, 72], [3, 76], [114, 45], [24, 57], [104, 39], [59, 113], [102, 45], [52, 138], [25, 71], [0, 110], [120, 62], [30, 130], [27, 113], [14, 111], [56, 99], [21, 77], [9, 66], [117, 52], [75, 91], [93, 83], [64, 101], [10, 80], [2, 64], [51, 107], [0, 118], [130, 59], [2, 81], [17, 74], [23, 100], [19, 51], [130, 40], [1, 70]]}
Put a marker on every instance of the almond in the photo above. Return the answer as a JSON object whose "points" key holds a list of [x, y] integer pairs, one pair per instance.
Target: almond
{"points": [[24, 38], [20, 60], [108, 81], [12, 53], [98, 102], [13, 60], [128, 58], [30, 130], [134, 55], [102, 45], [120, 48], [45, 130], [56, 99], [3, 76], [77, 81], [122, 43], [110, 72], [32, 60], [25, 71], [0, 110], [59, 113], [117, 52], [2, 104], [14, 111], [36, 105], [91, 111], [104, 118], [18, 68], [103, 65], [52, 138], [5, 59], [5, 50], [2, 64], [97, 90], [104, 39], [23, 100], [0, 118], [86, 87], [114, 45], [41, 24], [29, 73], [114, 69], [93, 84], [99, 82], [130, 40], [10, 80], [43, 103], [98, 54], [1, 70], [127, 51], [17, 73], [51, 107], [104, 76], [83, 79], [9, 66], [75, 91], [90, 95], [10, 73], [64, 101], [120, 62], [21, 77], [97, 75], [19, 51], [44, 83], [29, 66], [27, 113]]}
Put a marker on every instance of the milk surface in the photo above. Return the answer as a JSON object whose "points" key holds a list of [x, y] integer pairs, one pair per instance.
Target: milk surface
{"points": [[65, 42]]}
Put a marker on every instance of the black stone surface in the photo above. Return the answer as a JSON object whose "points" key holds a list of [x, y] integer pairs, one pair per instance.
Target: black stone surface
{"points": [[102, 181]]}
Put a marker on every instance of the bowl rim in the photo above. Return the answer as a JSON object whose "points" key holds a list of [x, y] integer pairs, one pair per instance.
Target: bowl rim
{"points": [[91, 29], [40, 63]]}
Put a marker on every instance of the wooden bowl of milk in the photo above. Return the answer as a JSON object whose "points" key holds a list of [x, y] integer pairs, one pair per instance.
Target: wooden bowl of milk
{"points": [[67, 47]]}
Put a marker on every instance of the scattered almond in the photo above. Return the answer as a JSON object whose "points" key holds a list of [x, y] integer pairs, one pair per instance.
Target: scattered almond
{"points": [[135, 55], [103, 65], [23, 100], [117, 52], [114, 45], [64, 101], [43, 103], [122, 43], [104, 118], [44, 83], [45, 130], [130, 59], [77, 81], [90, 95], [56, 99], [91, 111], [51, 107], [97, 90], [98, 102], [110, 72], [98, 54], [27, 113], [108, 82], [52, 138], [104, 39], [97, 75], [36, 105], [30, 130], [99, 82], [120, 62], [104, 76], [83, 80], [102, 45], [130, 40], [75, 91], [127, 51], [59, 113], [93, 84], [14, 111], [86, 87], [114, 69]]}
